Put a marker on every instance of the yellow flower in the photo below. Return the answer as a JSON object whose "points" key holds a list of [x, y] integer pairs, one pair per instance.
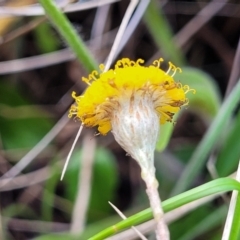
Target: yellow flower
{"points": [[109, 91], [132, 101]]}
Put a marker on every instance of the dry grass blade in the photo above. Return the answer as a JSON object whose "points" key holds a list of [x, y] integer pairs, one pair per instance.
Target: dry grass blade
{"points": [[21, 30], [99, 24], [193, 26], [71, 151], [124, 217], [235, 73], [49, 59], [131, 7], [35, 226], [84, 185], [31, 63], [30, 156], [136, 18], [25, 180], [36, 9]]}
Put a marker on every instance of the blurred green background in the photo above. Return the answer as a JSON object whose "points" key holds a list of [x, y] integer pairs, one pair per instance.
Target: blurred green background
{"points": [[37, 75]]}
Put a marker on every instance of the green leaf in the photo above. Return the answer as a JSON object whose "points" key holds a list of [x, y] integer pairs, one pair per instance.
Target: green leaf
{"points": [[229, 153], [21, 125], [104, 182], [45, 39], [164, 136], [205, 102]]}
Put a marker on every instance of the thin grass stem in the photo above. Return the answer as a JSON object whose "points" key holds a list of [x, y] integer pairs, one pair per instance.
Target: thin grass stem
{"points": [[127, 16], [71, 151]]}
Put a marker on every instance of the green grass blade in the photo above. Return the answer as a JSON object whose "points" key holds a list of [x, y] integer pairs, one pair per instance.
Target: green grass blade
{"points": [[213, 220], [235, 230], [199, 156], [162, 33], [69, 34], [214, 187], [229, 153]]}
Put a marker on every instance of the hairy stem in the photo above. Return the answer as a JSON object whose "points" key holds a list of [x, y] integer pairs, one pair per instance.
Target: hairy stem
{"points": [[69, 34], [162, 232]]}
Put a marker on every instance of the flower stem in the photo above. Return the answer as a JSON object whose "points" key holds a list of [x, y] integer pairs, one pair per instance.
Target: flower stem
{"points": [[162, 232]]}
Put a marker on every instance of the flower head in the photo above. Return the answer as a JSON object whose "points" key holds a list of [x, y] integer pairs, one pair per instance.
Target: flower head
{"points": [[109, 91], [132, 101]]}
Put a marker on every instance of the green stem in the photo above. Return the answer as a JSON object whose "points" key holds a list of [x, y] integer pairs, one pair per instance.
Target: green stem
{"points": [[199, 156], [64, 27]]}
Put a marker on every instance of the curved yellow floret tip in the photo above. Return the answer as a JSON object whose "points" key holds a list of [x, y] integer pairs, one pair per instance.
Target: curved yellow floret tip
{"points": [[73, 109], [77, 98], [74, 95], [179, 85], [91, 77], [101, 67], [157, 63], [86, 80], [71, 113], [187, 89], [120, 63], [173, 68], [186, 102], [94, 75], [126, 62], [139, 62]]}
